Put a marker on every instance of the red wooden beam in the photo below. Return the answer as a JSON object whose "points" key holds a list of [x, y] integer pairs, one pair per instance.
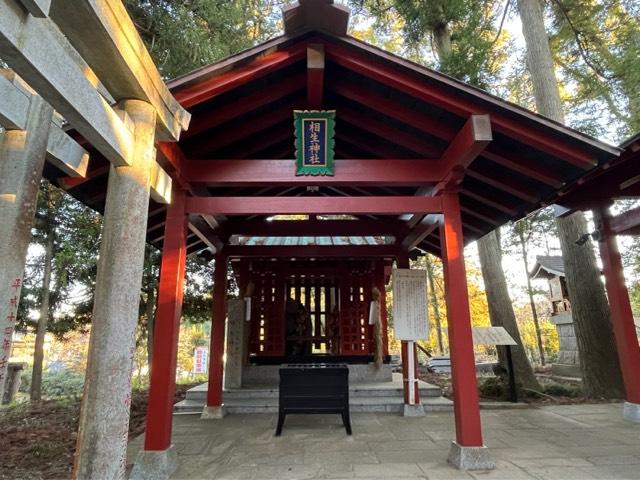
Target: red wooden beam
{"points": [[627, 223], [312, 205], [524, 167], [440, 130], [474, 212], [487, 201], [241, 106], [460, 105], [468, 143], [315, 76], [348, 172], [361, 95], [205, 233], [208, 89], [266, 141], [375, 149], [71, 182], [311, 251], [422, 230], [392, 134], [171, 157], [506, 184], [311, 228], [222, 138]]}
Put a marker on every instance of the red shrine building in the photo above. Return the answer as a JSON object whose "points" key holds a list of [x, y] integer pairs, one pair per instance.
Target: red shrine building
{"points": [[421, 163]]}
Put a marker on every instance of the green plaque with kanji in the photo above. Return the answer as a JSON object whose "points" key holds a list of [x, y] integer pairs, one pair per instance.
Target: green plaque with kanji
{"points": [[314, 141]]}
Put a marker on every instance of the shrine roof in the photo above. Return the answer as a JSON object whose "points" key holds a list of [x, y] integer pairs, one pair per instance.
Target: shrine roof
{"points": [[547, 266], [312, 240], [394, 118]]}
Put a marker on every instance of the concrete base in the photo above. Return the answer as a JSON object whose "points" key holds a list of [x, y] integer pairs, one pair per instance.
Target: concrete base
{"points": [[154, 465], [413, 410], [470, 458], [213, 413], [631, 412]]}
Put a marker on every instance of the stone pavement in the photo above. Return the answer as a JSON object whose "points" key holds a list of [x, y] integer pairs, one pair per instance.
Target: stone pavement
{"points": [[555, 442]]}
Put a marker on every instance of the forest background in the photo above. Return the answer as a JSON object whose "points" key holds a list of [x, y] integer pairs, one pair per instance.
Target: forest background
{"points": [[595, 47]]}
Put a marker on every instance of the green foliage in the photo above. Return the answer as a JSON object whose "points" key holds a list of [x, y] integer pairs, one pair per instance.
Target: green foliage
{"points": [[560, 390], [463, 36], [493, 387], [596, 43], [76, 233], [56, 385], [182, 35]]}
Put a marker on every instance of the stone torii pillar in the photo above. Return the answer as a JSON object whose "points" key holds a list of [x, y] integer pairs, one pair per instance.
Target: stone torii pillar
{"points": [[104, 418], [22, 156], [468, 451], [214, 408], [624, 327], [158, 459]]}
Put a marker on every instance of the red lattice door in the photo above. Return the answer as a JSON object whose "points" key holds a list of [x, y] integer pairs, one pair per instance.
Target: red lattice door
{"points": [[355, 296], [267, 315]]}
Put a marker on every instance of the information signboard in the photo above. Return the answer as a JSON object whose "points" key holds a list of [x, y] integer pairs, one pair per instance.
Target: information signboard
{"points": [[492, 336], [200, 360], [410, 314]]}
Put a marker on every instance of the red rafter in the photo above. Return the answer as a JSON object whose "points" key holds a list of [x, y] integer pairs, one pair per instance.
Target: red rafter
{"points": [[220, 139], [505, 184], [315, 76], [388, 132], [455, 103], [208, 89], [243, 105]]}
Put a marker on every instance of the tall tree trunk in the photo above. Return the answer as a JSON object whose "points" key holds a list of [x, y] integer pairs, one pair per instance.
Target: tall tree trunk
{"points": [[35, 392], [442, 40], [500, 307], [434, 303], [534, 310], [590, 310]]}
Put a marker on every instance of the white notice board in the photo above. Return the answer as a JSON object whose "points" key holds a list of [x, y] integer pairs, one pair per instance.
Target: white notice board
{"points": [[410, 317], [492, 336]]}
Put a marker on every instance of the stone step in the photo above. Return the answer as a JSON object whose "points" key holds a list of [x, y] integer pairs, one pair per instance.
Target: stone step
{"points": [[355, 391], [391, 389], [356, 405]]}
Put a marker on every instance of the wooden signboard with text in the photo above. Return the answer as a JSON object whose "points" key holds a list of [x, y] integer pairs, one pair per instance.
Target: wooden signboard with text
{"points": [[410, 314]]}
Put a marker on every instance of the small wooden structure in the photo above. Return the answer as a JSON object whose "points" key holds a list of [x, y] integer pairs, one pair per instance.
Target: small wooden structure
{"points": [[551, 268]]}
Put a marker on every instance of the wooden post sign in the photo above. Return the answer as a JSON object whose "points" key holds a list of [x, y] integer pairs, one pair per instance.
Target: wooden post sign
{"points": [[492, 336], [410, 317], [314, 131], [499, 336]]}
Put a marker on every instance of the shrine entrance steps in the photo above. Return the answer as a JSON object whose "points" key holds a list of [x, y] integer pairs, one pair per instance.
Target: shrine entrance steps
{"points": [[373, 397]]}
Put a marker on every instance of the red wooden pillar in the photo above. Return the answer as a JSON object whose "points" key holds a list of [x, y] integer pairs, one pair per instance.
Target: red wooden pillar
{"points": [[463, 369], [167, 327], [403, 262], [216, 350], [384, 321], [621, 314]]}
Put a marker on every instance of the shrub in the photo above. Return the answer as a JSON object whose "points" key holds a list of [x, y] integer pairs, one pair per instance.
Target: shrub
{"points": [[559, 390], [493, 387], [56, 385]]}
